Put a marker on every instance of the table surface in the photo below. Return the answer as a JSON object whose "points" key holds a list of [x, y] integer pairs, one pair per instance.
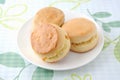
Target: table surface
{"points": [[14, 13]]}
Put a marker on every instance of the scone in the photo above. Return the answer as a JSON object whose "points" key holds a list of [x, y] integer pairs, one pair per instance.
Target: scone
{"points": [[82, 33], [50, 42], [49, 15]]}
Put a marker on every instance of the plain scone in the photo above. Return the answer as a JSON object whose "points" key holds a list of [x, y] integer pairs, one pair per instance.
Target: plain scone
{"points": [[82, 33], [50, 42], [49, 15]]}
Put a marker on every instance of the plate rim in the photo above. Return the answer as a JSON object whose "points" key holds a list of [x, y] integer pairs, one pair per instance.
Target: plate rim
{"points": [[61, 69]]}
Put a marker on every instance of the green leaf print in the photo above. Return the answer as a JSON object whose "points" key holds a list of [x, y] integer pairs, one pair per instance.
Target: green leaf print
{"points": [[106, 27], [76, 2], [101, 14], [11, 59], [114, 23], [42, 74], [16, 10], [10, 17], [87, 77], [1, 78], [10, 23], [2, 1], [18, 75], [117, 50], [106, 43], [62, 1], [75, 76], [78, 77]]}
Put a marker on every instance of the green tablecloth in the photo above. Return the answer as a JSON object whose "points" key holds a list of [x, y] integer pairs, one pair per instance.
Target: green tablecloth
{"points": [[14, 13]]}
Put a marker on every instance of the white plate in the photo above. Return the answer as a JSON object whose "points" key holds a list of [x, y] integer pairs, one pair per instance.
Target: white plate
{"points": [[71, 61]]}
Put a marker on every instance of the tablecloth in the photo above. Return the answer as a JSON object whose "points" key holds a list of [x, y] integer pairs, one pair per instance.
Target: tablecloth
{"points": [[14, 13]]}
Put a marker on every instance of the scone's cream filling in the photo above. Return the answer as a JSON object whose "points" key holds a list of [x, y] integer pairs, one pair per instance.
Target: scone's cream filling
{"points": [[86, 42], [60, 52]]}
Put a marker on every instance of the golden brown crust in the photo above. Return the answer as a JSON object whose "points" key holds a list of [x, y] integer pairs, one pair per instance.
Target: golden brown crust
{"points": [[61, 50], [44, 38], [79, 29], [82, 33], [49, 15]]}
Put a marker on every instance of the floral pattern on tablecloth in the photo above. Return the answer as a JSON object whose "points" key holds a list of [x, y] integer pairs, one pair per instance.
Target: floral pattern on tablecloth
{"points": [[14, 13]]}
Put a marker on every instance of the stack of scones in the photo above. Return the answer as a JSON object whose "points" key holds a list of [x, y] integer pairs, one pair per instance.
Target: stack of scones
{"points": [[52, 38]]}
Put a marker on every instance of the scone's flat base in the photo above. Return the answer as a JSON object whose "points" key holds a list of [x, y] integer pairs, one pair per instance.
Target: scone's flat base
{"points": [[71, 61]]}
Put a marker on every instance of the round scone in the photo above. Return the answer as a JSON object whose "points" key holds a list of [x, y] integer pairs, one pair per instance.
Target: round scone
{"points": [[49, 15], [50, 42], [82, 33]]}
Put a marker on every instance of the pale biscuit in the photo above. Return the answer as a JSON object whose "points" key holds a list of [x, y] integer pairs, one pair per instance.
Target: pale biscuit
{"points": [[51, 43], [49, 15], [81, 30], [44, 38]]}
